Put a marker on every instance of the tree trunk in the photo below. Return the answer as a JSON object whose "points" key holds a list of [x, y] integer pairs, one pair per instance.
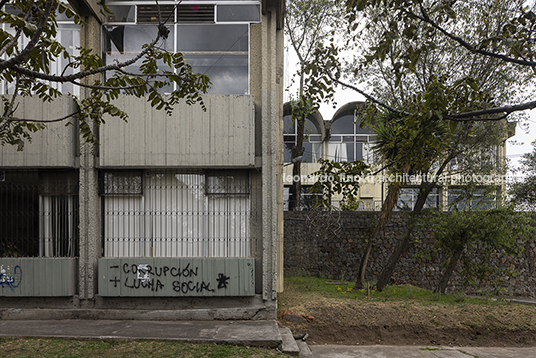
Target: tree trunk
{"points": [[402, 245], [295, 190], [442, 286], [387, 209]]}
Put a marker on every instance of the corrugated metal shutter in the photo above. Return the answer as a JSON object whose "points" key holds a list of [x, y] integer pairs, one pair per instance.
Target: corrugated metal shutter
{"points": [[195, 13], [181, 214], [149, 13]]}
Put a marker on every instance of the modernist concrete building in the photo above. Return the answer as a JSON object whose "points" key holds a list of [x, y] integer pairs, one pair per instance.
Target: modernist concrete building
{"points": [[175, 217], [342, 139]]}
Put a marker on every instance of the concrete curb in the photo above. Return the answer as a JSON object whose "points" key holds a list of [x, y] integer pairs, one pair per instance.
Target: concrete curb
{"points": [[253, 313]]}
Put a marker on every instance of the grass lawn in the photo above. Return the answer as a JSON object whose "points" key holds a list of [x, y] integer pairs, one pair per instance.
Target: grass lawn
{"points": [[51, 347], [344, 290]]}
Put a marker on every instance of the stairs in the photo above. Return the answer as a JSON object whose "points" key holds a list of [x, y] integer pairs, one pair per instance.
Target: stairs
{"points": [[292, 347]]}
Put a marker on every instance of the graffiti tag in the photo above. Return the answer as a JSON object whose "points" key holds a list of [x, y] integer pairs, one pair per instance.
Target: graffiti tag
{"points": [[10, 280], [181, 279]]}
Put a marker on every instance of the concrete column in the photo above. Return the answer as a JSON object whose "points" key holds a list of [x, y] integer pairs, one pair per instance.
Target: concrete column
{"points": [[280, 44], [269, 112], [88, 192]]}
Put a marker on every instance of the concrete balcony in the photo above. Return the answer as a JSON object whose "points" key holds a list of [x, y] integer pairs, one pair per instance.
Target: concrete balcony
{"points": [[221, 136]]}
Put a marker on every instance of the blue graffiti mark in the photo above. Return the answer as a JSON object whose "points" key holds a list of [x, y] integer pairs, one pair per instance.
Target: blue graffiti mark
{"points": [[9, 281]]}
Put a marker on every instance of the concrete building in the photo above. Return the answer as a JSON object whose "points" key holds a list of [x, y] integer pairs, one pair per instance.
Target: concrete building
{"points": [[173, 217], [341, 139]]}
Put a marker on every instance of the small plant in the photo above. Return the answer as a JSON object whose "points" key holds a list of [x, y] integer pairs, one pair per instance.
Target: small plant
{"points": [[9, 249], [459, 297]]}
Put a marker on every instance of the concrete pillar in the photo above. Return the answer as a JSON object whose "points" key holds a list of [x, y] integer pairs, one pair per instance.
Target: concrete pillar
{"points": [[280, 44], [89, 211], [271, 114]]}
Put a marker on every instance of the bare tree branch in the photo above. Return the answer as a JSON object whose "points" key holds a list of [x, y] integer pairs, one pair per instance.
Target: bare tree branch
{"points": [[367, 96], [86, 73], [43, 120]]}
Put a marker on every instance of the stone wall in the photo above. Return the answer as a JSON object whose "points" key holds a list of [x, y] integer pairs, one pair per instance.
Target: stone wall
{"points": [[330, 245]]}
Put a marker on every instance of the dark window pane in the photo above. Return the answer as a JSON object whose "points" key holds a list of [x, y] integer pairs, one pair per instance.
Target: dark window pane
{"points": [[343, 125], [288, 125], [236, 13]]}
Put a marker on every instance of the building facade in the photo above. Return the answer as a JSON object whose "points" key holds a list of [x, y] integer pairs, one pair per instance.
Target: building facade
{"points": [[342, 139], [168, 216]]}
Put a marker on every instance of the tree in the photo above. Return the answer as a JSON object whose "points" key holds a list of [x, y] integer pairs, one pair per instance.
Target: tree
{"points": [[523, 192], [308, 25], [425, 24], [339, 178], [423, 83], [490, 233], [30, 48]]}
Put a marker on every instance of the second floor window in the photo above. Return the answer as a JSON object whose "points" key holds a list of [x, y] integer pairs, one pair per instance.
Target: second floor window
{"points": [[214, 38], [348, 142], [312, 141]]}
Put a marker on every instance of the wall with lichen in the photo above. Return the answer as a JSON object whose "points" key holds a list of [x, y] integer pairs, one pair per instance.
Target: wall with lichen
{"points": [[330, 245]]}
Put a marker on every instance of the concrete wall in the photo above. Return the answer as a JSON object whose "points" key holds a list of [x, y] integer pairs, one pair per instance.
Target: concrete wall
{"points": [[176, 277], [331, 245], [221, 136], [37, 277], [53, 147]]}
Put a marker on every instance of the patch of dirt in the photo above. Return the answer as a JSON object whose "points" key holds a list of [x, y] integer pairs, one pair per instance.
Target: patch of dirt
{"points": [[351, 321]]}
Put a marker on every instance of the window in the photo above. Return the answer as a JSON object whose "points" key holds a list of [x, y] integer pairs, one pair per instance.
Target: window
{"points": [[348, 142], [407, 198], [471, 199], [307, 201], [484, 160], [213, 37], [68, 35], [312, 141], [39, 214], [176, 214]]}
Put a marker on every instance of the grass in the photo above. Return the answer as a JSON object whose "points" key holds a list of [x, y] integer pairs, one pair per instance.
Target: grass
{"points": [[391, 293], [51, 347]]}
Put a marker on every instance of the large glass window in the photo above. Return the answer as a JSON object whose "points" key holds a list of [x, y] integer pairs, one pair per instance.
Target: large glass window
{"points": [[214, 38], [348, 142], [312, 141], [175, 213], [407, 198], [68, 34], [39, 213], [308, 200], [471, 199]]}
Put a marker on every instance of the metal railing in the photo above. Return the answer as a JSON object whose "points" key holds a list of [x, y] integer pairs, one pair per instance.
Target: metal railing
{"points": [[38, 215], [173, 213]]}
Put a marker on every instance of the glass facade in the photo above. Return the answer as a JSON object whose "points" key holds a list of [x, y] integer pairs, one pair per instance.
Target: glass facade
{"points": [[312, 142], [348, 142], [407, 198], [213, 37]]}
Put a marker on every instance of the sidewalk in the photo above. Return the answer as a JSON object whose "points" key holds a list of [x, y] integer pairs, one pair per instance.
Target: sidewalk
{"points": [[331, 351], [251, 333]]}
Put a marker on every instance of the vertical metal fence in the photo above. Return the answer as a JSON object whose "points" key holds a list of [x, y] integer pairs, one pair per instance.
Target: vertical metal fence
{"points": [[39, 214], [174, 213]]}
